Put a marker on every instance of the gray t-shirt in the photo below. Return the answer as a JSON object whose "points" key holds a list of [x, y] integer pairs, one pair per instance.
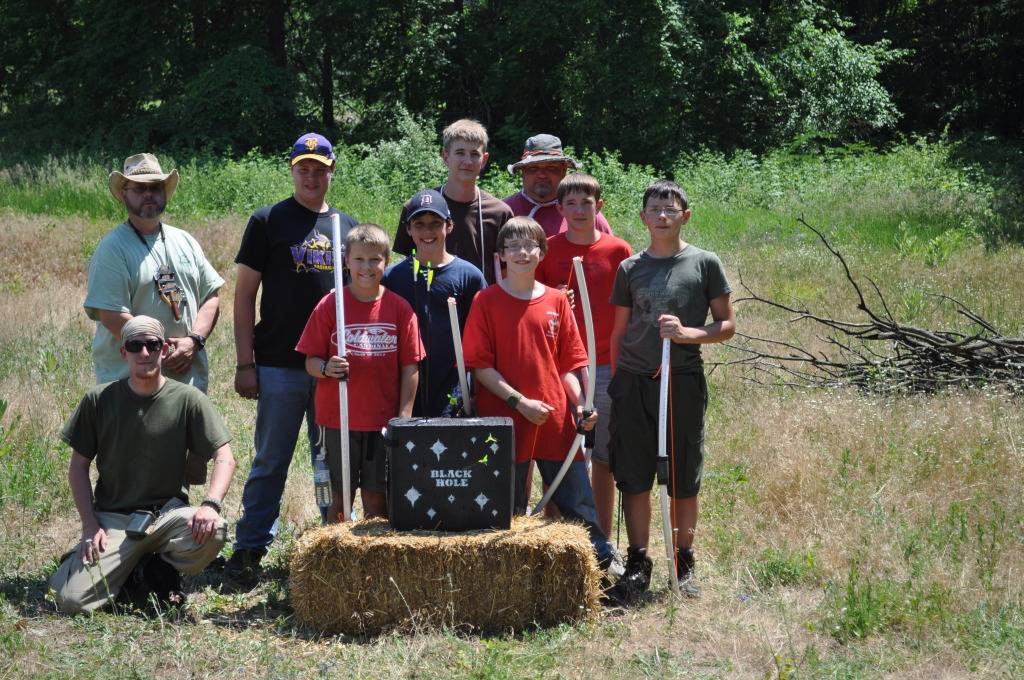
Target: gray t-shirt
{"points": [[682, 285], [139, 442], [121, 280]]}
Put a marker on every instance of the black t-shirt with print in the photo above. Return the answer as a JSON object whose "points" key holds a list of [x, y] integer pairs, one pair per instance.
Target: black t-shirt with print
{"points": [[291, 248]]}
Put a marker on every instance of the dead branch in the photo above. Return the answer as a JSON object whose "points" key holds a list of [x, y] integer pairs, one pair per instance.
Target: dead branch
{"points": [[880, 354]]}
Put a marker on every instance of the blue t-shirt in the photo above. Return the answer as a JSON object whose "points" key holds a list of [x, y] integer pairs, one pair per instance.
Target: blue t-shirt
{"points": [[439, 375]]}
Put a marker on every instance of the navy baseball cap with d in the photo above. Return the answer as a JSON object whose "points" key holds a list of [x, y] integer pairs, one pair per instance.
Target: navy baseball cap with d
{"points": [[314, 146], [429, 200]]}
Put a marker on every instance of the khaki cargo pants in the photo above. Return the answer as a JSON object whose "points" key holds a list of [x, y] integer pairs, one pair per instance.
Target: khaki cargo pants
{"points": [[80, 587]]}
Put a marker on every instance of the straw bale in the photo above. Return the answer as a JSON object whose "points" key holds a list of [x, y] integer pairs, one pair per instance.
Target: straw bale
{"points": [[365, 578]]}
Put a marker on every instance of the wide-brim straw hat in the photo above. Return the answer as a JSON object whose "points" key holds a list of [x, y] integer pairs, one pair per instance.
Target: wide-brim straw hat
{"points": [[144, 168], [543, 149]]}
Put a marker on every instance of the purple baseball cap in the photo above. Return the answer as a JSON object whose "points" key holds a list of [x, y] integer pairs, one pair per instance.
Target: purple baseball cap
{"points": [[312, 145], [429, 200]]}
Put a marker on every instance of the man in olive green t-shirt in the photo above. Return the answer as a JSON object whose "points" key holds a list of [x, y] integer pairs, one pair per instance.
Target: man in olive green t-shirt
{"points": [[139, 430]]}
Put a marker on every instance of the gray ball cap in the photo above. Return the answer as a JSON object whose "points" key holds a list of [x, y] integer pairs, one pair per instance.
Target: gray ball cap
{"points": [[543, 149]]}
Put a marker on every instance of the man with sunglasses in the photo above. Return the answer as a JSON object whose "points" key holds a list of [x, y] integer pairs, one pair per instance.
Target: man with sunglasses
{"points": [[543, 165], [138, 531]]}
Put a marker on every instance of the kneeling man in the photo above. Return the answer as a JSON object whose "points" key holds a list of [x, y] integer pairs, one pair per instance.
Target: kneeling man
{"points": [[139, 430]]}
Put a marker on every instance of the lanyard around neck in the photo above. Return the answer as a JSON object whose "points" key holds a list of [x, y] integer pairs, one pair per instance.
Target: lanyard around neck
{"points": [[479, 220]]}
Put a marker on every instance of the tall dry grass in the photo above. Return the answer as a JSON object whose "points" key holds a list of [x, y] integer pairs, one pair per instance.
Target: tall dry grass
{"points": [[841, 534]]}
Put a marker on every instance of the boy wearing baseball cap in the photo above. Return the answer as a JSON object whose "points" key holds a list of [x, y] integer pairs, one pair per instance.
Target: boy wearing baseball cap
{"points": [[286, 250], [426, 280]]}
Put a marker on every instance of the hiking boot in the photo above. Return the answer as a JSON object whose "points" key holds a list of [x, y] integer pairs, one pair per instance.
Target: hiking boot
{"points": [[636, 578], [685, 573], [243, 567]]}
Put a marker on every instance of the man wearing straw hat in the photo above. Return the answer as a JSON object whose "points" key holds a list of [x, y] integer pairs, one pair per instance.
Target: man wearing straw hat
{"points": [[138, 531], [147, 267], [543, 165]]}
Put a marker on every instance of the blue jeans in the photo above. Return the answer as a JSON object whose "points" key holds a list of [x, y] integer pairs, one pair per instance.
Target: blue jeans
{"points": [[574, 498], [286, 396]]}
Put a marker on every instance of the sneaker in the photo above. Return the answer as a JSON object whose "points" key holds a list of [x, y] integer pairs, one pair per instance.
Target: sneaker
{"points": [[617, 567], [243, 567], [636, 578], [685, 573]]}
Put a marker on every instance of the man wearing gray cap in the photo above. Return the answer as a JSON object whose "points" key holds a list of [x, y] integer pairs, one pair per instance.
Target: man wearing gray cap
{"points": [[543, 165], [146, 267], [138, 531]]}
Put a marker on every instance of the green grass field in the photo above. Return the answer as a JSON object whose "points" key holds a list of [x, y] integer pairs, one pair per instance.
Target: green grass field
{"points": [[842, 534]]}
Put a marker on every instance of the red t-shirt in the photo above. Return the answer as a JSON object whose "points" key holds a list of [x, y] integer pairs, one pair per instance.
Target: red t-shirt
{"points": [[532, 343], [380, 337], [600, 262]]}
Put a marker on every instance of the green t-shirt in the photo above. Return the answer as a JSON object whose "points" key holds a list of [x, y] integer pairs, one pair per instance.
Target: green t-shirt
{"points": [[139, 442], [683, 285], [121, 280]]}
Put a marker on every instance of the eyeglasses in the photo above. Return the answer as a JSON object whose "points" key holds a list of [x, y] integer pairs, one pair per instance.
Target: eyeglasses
{"points": [[669, 212], [550, 169], [140, 189], [135, 346], [528, 246]]}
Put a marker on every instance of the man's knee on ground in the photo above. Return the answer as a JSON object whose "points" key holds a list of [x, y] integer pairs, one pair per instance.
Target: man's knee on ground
{"points": [[69, 598]]}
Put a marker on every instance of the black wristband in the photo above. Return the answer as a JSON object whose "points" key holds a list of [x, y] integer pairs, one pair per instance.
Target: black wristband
{"points": [[245, 367], [213, 503]]}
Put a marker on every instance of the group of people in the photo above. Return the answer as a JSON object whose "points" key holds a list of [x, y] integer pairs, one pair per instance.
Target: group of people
{"points": [[507, 264]]}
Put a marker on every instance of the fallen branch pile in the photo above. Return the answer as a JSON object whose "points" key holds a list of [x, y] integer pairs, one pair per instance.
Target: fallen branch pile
{"points": [[880, 354]]}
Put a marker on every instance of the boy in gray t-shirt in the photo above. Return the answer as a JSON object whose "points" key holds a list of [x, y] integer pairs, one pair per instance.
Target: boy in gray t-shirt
{"points": [[662, 293]]}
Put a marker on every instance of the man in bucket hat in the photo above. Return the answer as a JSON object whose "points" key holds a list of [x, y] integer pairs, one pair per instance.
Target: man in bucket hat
{"points": [[138, 530], [543, 165], [147, 267], [287, 252]]}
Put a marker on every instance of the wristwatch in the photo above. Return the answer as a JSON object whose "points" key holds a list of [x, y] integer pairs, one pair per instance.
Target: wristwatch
{"points": [[198, 339], [513, 399]]}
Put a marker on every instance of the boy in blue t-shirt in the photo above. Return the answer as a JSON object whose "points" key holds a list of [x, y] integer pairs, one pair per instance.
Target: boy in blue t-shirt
{"points": [[426, 280]]}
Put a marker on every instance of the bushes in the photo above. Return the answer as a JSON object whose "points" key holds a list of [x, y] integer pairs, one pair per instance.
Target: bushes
{"points": [[922, 197]]}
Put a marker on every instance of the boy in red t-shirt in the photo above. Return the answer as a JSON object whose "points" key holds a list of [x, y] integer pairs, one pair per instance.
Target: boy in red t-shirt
{"points": [[382, 344], [522, 343], [579, 201]]}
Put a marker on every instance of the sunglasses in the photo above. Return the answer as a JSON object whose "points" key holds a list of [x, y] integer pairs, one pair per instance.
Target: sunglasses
{"points": [[135, 346]]}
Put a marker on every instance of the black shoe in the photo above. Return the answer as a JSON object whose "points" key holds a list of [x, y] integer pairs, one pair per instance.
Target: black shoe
{"points": [[636, 578], [164, 581], [686, 573], [152, 586], [243, 567]]}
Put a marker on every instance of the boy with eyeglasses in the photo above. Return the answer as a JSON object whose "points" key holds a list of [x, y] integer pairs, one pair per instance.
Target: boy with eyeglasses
{"points": [[523, 346], [426, 280], [665, 292], [579, 204]]}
